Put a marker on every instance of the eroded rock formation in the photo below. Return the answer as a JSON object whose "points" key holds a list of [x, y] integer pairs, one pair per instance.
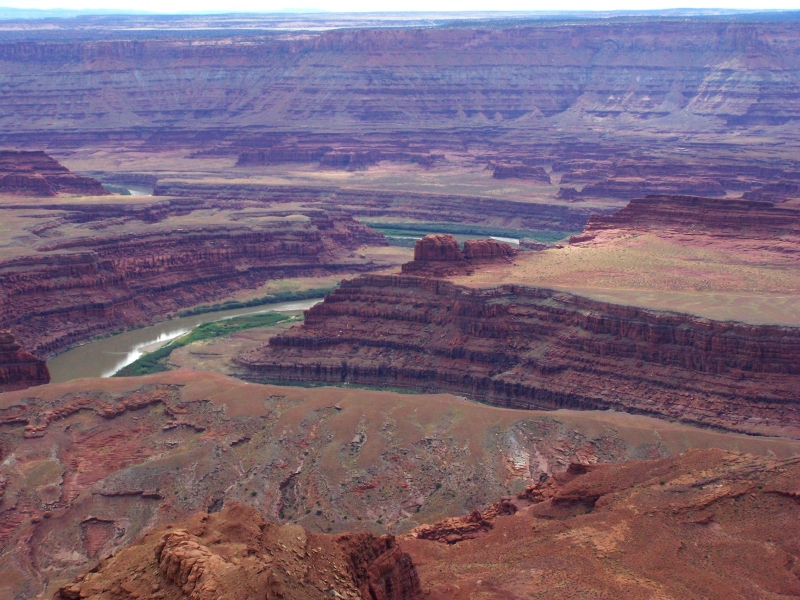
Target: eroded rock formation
{"points": [[705, 524], [440, 255], [745, 219], [365, 204], [237, 554], [537, 348], [37, 174], [71, 289], [19, 369]]}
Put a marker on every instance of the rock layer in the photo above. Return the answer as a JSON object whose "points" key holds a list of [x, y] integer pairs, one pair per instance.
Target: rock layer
{"points": [[19, 369], [237, 554], [440, 255], [74, 288], [745, 219], [37, 174], [536, 348]]}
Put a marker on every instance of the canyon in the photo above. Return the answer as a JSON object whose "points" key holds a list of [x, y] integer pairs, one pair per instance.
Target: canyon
{"points": [[733, 218], [74, 288], [19, 369], [527, 347], [75, 267], [37, 174], [582, 381]]}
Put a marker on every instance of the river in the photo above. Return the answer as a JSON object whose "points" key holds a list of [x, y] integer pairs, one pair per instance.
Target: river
{"points": [[104, 357]]}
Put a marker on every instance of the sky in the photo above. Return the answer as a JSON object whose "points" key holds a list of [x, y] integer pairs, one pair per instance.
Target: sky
{"points": [[194, 6]]}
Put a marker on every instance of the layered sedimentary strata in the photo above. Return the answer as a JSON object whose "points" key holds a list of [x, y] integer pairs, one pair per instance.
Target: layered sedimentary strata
{"points": [[237, 554], [536, 348], [704, 524], [441, 255], [745, 219], [400, 205], [37, 174], [70, 289], [19, 369]]}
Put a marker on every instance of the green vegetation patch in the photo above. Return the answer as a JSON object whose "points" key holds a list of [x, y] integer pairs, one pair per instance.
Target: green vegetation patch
{"points": [[157, 361], [271, 299], [392, 230]]}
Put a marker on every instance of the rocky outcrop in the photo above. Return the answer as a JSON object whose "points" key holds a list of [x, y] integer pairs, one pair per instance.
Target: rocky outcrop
{"points": [[237, 554], [37, 174], [741, 219], [535, 348], [72, 289], [440, 255], [458, 529], [19, 369], [681, 525], [437, 248], [633, 187], [529, 172], [774, 192], [487, 250]]}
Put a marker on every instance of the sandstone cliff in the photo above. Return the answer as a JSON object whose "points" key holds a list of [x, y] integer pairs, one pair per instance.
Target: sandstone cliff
{"points": [[737, 71], [536, 348], [72, 288], [440, 255], [37, 174], [745, 219], [19, 369], [236, 554]]}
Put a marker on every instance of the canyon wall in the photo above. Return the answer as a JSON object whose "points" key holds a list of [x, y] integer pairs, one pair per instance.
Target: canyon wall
{"points": [[37, 174], [19, 369], [721, 217], [536, 348], [134, 85], [70, 289], [402, 205]]}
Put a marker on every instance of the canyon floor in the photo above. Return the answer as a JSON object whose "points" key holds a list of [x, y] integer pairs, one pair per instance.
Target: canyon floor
{"points": [[559, 350]]}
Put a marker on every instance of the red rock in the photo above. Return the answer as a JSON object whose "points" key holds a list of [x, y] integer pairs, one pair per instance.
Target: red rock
{"points": [[72, 289], [527, 347], [534, 173], [19, 369], [437, 247], [37, 174], [681, 524], [440, 255], [746, 219], [236, 554], [487, 250]]}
